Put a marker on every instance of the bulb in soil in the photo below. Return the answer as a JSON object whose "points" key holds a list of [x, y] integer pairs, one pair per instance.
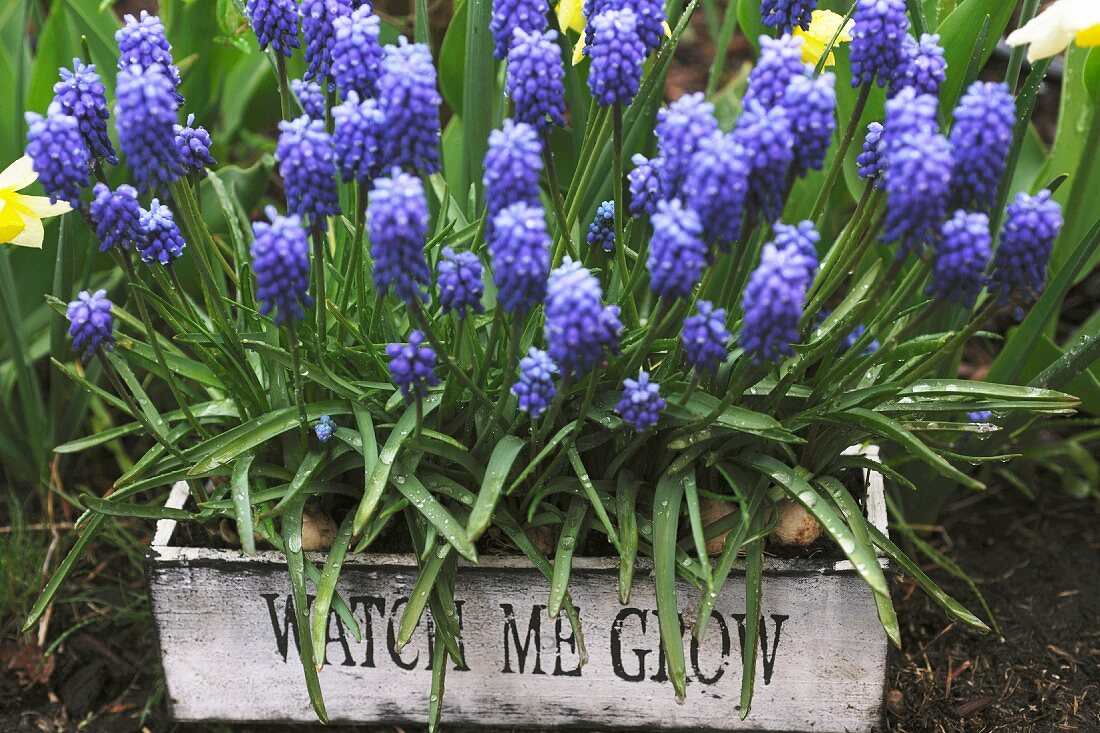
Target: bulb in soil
{"points": [[318, 529], [796, 526], [711, 511]]}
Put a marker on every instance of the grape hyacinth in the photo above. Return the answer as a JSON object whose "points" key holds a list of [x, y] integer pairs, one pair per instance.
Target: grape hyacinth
{"points": [[81, 94], [145, 117], [356, 52], [579, 327], [458, 275], [924, 69], [645, 186], [512, 165], [280, 260], [601, 232], [535, 389], [811, 105], [617, 52], [980, 140], [773, 301], [412, 366], [307, 164], [768, 141], [275, 23], [918, 187], [909, 114], [650, 16], [410, 103], [681, 128], [90, 322], [878, 41], [677, 253], [161, 241], [508, 16], [1032, 223], [519, 249], [641, 403], [979, 416], [800, 243], [324, 428], [310, 96], [397, 217], [535, 80], [60, 156], [786, 15], [357, 137], [962, 254], [780, 63], [117, 217], [705, 337], [193, 143], [142, 42], [318, 19], [870, 160], [717, 185]]}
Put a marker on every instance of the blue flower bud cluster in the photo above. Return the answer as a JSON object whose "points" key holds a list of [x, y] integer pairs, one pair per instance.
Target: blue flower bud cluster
{"points": [[681, 129], [397, 219], [310, 95], [617, 52], [677, 253], [705, 337], [81, 94], [143, 43], [878, 41], [772, 302], [980, 140], [641, 403], [717, 185], [535, 389], [512, 166], [193, 143], [280, 261], [579, 329], [811, 103], [410, 104], [412, 366], [961, 256], [60, 156], [519, 249], [924, 69], [768, 141], [307, 163], [357, 136], [645, 186], [786, 15], [275, 23], [145, 117], [1032, 223], [779, 63], [90, 322], [458, 276], [161, 241], [535, 80], [356, 52], [509, 16], [116, 216], [601, 232]]}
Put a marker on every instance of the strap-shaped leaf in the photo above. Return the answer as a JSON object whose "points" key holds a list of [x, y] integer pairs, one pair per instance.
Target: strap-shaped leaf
{"points": [[666, 519], [496, 472]]}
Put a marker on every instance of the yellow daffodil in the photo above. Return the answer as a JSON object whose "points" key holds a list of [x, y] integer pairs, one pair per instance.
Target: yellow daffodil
{"points": [[1053, 30], [571, 17], [823, 26], [20, 215]]}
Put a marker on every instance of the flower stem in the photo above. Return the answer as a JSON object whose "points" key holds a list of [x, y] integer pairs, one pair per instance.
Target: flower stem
{"points": [[317, 232], [565, 237], [296, 366], [842, 152], [625, 297]]}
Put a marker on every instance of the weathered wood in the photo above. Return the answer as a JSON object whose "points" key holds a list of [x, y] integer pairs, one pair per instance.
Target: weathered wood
{"points": [[227, 638]]}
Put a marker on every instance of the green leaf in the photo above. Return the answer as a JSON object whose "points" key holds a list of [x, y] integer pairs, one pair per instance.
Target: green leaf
{"points": [[563, 556], [434, 512], [91, 529], [140, 511], [306, 469], [626, 496], [326, 589], [959, 34], [666, 518], [295, 560], [754, 562], [496, 472], [242, 505]]}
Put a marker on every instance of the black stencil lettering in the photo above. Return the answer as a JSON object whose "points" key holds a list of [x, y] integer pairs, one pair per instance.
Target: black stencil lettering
{"points": [[534, 632], [725, 632], [391, 637], [768, 660], [368, 603], [616, 646], [571, 640], [290, 622], [334, 620]]}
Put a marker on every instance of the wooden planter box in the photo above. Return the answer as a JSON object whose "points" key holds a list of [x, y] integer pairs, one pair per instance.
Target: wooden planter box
{"points": [[227, 641]]}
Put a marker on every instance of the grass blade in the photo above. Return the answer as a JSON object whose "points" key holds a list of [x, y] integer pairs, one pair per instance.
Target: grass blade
{"points": [[666, 518], [295, 560], [754, 562], [500, 463], [563, 558], [626, 496], [326, 588]]}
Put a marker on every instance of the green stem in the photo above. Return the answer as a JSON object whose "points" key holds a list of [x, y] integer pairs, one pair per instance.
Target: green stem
{"points": [[564, 240], [841, 153], [296, 366], [284, 88], [1016, 58], [318, 235], [586, 403], [356, 276], [625, 296]]}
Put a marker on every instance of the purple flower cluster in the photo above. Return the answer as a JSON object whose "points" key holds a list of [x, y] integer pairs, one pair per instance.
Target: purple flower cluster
{"points": [[318, 28], [677, 253], [773, 301], [800, 243], [275, 23], [161, 241], [812, 107], [980, 140], [142, 42], [641, 403], [356, 52], [535, 389], [579, 327], [81, 94], [307, 163], [601, 232], [410, 103], [918, 188], [962, 254], [681, 129], [779, 63], [508, 16], [90, 322], [717, 185], [705, 337], [786, 15], [324, 428], [519, 249], [458, 276], [1032, 223], [60, 156], [280, 260], [116, 216], [412, 366], [878, 41], [617, 52], [357, 135], [193, 143], [145, 117], [397, 219], [310, 96], [535, 79], [512, 165], [650, 19], [645, 186], [768, 142], [924, 69], [870, 160]]}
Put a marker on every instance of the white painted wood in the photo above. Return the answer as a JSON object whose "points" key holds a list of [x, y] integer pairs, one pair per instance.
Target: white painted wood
{"points": [[229, 652]]}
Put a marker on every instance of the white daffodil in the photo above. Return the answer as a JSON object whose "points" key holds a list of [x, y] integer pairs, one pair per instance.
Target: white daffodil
{"points": [[1063, 23], [21, 215]]}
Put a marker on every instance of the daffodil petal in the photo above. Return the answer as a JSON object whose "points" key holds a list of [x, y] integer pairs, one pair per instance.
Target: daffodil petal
{"points": [[41, 207], [18, 175], [11, 223], [32, 234], [1089, 36], [578, 51], [571, 15]]}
